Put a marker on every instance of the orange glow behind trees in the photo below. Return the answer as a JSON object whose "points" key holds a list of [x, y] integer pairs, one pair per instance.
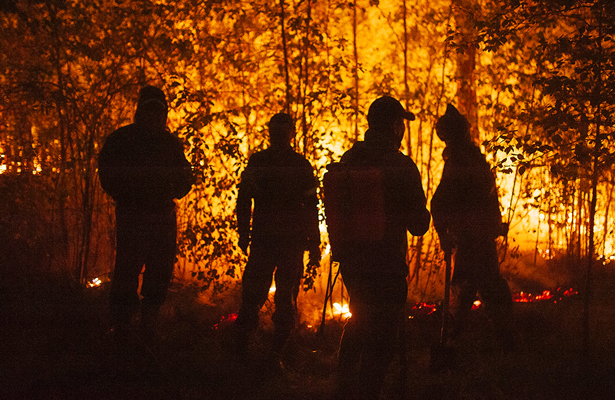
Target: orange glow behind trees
{"points": [[70, 72]]}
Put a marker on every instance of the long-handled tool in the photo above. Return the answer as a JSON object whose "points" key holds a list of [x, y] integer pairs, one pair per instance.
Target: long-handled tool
{"points": [[442, 354]]}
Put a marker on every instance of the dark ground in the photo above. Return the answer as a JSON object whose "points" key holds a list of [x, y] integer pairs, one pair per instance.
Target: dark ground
{"points": [[55, 344]]}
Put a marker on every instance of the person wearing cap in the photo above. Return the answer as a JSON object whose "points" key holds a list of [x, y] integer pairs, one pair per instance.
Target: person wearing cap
{"points": [[142, 166], [277, 220], [374, 272], [467, 218]]}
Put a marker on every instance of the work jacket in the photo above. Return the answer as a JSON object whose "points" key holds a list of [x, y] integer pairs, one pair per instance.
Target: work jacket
{"points": [[144, 171], [281, 186], [404, 204], [465, 206]]}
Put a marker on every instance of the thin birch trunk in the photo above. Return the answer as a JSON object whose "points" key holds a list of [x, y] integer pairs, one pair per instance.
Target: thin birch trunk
{"points": [[355, 71], [284, 48]]}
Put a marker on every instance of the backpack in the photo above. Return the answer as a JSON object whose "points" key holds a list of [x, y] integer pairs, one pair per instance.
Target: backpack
{"points": [[354, 206]]}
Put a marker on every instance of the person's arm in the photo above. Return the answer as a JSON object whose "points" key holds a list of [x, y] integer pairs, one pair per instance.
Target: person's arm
{"points": [[110, 171], [312, 230], [184, 177], [445, 206], [312, 223], [441, 221], [244, 207], [419, 217], [492, 210]]}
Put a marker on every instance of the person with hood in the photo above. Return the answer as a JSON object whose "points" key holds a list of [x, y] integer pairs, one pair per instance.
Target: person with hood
{"points": [[373, 261], [277, 220], [467, 218], [142, 166]]}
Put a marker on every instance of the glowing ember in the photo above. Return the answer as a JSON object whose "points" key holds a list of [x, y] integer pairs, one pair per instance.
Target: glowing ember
{"points": [[225, 319], [545, 295], [342, 310], [94, 282], [422, 309]]}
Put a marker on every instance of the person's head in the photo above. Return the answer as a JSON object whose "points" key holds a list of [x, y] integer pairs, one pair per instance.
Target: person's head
{"points": [[452, 127], [152, 108], [281, 130], [386, 119]]}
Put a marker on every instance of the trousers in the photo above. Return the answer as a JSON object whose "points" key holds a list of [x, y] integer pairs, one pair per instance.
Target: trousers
{"points": [[142, 240], [371, 335], [477, 271], [279, 261]]}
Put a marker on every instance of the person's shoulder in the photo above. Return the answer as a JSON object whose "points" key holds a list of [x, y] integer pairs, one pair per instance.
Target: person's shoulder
{"points": [[300, 158], [119, 136], [172, 140], [465, 153], [475, 151], [355, 151], [292, 159], [475, 156], [400, 160], [122, 132], [259, 155]]}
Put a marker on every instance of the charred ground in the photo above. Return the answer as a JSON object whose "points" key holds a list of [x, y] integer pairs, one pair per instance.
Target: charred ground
{"points": [[56, 345]]}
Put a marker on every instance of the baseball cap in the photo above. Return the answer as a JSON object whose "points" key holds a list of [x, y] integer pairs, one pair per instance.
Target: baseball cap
{"points": [[151, 93], [386, 109]]}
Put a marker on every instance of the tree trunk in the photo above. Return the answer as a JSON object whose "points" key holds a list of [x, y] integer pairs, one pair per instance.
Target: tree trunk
{"points": [[355, 71], [596, 167], [287, 78], [61, 110], [606, 215], [466, 63], [406, 87], [306, 75]]}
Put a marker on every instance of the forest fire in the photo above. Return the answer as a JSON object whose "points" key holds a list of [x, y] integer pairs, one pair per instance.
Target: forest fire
{"points": [[224, 320], [423, 309], [535, 80], [94, 282], [341, 310], [544, 175], [554, 296]]}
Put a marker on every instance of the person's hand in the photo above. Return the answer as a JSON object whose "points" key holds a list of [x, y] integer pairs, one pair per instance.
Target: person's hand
{"points": [[244, 243]]}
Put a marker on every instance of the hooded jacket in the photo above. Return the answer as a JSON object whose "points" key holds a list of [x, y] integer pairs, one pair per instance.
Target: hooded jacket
{"points": [[465, 206]]}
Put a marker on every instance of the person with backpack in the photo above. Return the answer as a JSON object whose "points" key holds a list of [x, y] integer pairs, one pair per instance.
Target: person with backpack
{"points": [[277, 220], [380, 198], [467, 218], [142, 166]]}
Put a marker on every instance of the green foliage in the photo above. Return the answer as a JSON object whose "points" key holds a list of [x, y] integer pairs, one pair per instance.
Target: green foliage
{"points": [[558, 98], [70, 72]]}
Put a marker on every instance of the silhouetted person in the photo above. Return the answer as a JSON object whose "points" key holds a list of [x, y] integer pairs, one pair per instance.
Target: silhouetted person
{"points": [[281, 186], [466, 214], [373, 265], [143, 167]]}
